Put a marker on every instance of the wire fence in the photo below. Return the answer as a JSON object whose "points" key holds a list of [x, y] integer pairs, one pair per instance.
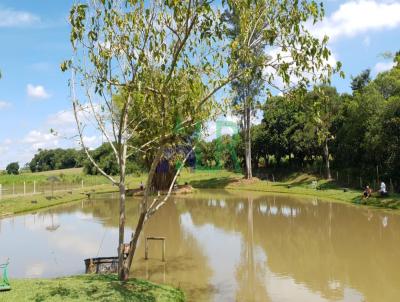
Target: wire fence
{"points": [[28, 188], [349, 180], [341, 178]]}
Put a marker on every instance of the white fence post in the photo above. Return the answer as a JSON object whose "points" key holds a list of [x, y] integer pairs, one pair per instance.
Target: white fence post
{"points": [[24, 188], [82, 183]]}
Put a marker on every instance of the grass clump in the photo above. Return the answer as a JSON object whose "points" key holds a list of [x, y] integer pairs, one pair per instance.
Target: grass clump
{"points": [[90, 288]]}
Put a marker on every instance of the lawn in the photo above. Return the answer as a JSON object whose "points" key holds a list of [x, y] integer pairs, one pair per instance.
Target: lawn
{"points": [[295, 184], [74, 175], [20, 204], [90, 288]]}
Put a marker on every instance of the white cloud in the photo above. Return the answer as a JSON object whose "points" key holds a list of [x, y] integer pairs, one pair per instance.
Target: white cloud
{"points": [[4, 105], [357, 17], [37, 92], [286, 57], [40, 140], [5, 146], [62, 118], [13, 18], [23, 148], [367, 41], [64, 124], [383, 66], [91, 141]]}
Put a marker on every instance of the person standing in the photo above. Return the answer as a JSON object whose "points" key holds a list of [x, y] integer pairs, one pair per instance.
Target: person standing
{"points": [[383, 189]]}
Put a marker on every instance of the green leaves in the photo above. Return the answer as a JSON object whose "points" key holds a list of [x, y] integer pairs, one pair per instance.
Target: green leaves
{"points": [[76, 18], [280, 28], [65, 65]]}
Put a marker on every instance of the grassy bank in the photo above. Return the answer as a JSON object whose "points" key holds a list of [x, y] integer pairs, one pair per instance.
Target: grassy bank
{"points": [[21, 204], [74, 175], [296, 184], [90, 288]]}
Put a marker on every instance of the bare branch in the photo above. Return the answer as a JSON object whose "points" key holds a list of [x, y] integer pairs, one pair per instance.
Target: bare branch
{"points": [[78, 124]]}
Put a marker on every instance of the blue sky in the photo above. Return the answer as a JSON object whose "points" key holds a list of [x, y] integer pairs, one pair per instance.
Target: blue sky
{"points": [[34, 40]]}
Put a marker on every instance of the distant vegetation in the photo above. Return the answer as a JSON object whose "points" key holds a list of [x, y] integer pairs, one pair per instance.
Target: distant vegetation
{"points": [[359, 133], [105, 159], [58, 159], [13, 168], [47, 160]]}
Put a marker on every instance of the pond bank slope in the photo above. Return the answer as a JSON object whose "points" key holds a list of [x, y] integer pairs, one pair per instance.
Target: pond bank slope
{"points": [[90, 288]]}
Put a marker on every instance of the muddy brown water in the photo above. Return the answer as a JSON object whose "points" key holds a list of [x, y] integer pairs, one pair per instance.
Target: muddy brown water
{"points": [[224, 246]]}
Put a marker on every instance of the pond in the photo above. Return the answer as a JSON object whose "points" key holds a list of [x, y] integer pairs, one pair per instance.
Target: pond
{"points": [[223, 246]]}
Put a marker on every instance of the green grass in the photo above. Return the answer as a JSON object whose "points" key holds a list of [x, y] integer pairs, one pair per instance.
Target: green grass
{"points": [[74, 175], [21, 204], [295, 183], [89, 288]]}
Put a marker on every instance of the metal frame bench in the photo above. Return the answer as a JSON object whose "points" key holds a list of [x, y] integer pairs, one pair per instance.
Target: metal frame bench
{"points": [[146, 251]]}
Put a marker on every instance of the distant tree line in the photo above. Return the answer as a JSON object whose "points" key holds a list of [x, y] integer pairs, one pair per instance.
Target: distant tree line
{"points": [[55, 159], [358, 133], [47, 160], [105, 159]]}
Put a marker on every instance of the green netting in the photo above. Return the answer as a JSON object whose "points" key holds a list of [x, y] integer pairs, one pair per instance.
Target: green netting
{"points": [[4, 282]]}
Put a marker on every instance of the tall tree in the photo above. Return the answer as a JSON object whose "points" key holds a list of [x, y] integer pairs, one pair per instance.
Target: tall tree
{"points": [[275, 34], [130, 58], [359, 82], [324, 106], [246, 89]]}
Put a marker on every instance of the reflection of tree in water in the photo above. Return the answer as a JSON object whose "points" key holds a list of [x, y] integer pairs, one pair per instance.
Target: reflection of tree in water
{"points": [[186, 266], [250, 274], [328, 247]]}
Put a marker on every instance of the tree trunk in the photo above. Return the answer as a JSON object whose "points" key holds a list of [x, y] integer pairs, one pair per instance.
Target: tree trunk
{"points": [[247, 137], [327, 164], [162, 179], [122, 273], [127, 263], [134, 241]]}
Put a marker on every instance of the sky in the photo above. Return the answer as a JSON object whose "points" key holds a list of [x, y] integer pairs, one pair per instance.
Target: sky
{"points": [[34, 40]]}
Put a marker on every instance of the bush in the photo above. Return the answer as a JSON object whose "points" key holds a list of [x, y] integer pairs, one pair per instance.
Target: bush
{"points": [[13, 168]]}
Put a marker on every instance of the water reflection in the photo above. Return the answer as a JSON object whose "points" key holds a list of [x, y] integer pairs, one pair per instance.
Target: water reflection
{"points": [[224, 247]]}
